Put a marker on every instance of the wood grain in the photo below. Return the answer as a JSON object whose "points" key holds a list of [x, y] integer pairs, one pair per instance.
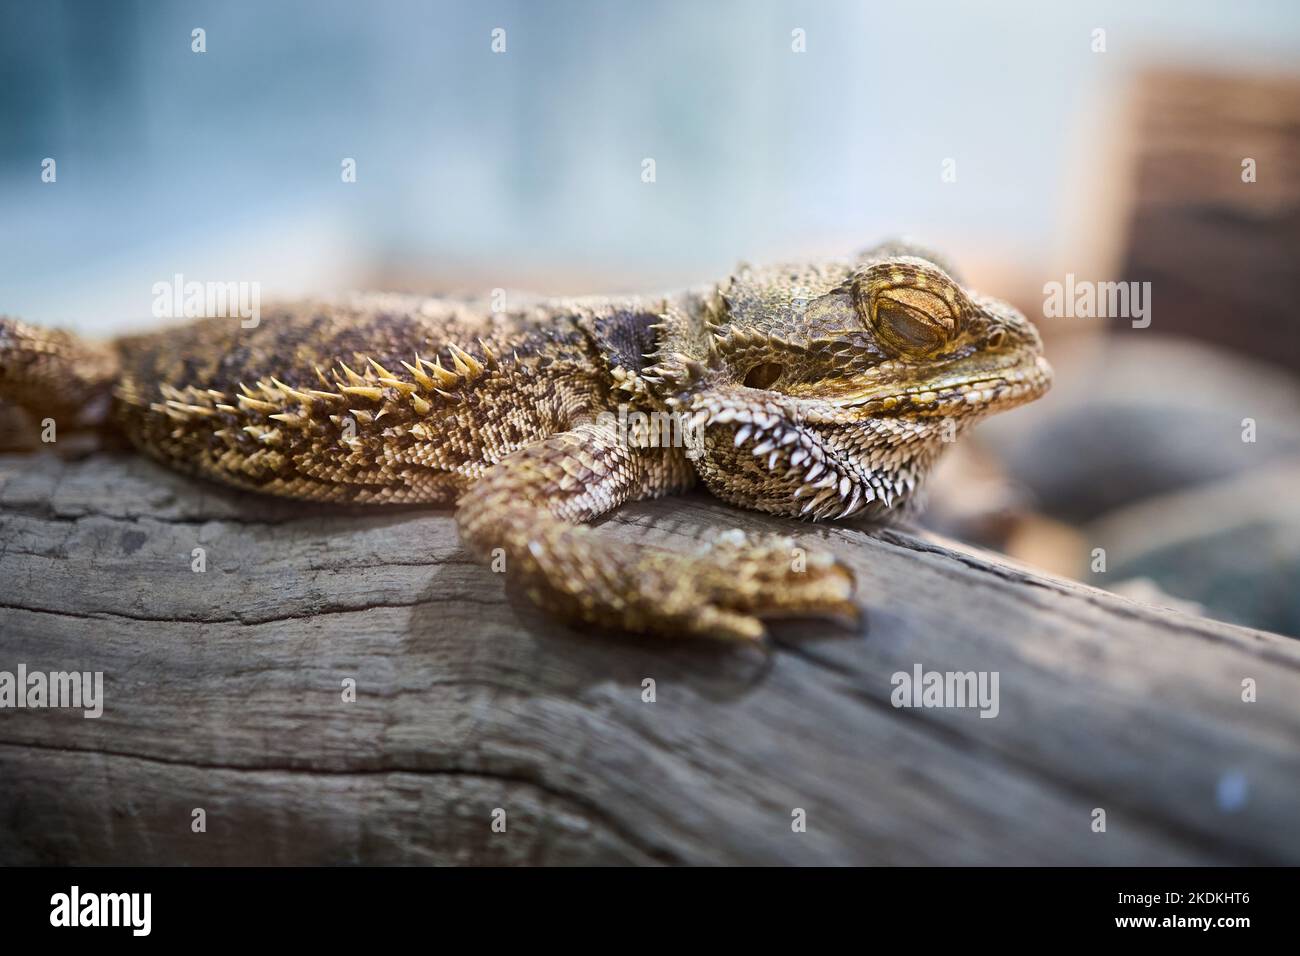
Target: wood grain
{"points": [[223, 691]]}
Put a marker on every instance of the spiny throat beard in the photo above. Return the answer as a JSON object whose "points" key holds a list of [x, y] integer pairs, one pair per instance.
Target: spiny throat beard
{"points": [[873, 468]]}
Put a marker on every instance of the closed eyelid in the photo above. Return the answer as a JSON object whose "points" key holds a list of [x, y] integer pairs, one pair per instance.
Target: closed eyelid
{"points": [[935, 307], [912, 326], [913, 277], [908, 310]]}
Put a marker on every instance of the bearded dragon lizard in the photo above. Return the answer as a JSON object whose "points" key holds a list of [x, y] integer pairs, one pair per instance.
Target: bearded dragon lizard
{"points": [[820, 391]]}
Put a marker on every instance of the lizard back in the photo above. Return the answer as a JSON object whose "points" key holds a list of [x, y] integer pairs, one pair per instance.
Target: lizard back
{"points": [[380, 399]]}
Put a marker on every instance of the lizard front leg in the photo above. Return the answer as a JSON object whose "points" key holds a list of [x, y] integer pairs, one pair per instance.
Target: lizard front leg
{"points": [[530, 504]]}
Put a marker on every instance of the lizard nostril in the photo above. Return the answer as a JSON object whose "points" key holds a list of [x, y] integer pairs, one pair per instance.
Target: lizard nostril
{"points": [[996, 338]]}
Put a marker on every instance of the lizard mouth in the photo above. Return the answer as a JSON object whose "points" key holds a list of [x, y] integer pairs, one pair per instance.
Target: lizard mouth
{"points": [[960, 390]]}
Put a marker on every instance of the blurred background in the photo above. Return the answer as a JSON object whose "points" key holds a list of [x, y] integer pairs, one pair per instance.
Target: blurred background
{"points": [[1031, 141]]}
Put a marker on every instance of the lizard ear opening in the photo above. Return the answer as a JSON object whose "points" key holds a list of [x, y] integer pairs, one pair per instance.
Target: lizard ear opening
{"points": [[763, 375]]}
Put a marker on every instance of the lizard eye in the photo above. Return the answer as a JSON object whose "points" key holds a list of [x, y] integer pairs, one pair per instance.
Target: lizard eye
{"points": [[910, 321]]}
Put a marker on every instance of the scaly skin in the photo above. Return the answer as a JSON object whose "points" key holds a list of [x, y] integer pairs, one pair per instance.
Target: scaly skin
{"points": [[820, 391]]}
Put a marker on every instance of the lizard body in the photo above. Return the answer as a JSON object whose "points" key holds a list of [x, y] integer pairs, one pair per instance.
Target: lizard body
{"points": [[821, 391]]}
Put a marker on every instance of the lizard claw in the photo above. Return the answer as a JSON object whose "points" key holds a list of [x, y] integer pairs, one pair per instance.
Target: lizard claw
{"points": [[742, 582]]}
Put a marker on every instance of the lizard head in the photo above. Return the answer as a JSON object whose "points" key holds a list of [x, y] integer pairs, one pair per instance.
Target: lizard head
{"points": [[827, 391]]}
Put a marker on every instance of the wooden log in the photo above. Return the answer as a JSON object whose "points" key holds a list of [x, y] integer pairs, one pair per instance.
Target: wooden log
{"points": [[223, 691]]}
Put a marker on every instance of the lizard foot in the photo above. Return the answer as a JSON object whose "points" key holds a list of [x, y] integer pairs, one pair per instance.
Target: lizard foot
{"points": [[728, 587]]}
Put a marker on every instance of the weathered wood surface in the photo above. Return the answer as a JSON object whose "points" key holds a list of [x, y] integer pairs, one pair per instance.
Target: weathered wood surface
{"points": [[223, 691]]}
